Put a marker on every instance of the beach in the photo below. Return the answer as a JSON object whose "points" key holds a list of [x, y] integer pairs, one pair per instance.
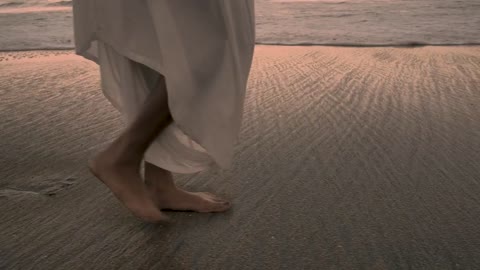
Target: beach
{"points": [[348, 158]]}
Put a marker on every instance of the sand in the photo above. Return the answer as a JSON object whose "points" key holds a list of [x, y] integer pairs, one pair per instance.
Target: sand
{"points": [[349, 158]]}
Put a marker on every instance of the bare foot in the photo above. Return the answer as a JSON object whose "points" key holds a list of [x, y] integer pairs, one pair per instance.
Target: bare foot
{"points": [[126, 184], [168, 196], [182, 200]]}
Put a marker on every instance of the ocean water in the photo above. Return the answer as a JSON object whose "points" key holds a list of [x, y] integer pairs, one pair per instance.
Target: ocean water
{"points": [[47, 24]]}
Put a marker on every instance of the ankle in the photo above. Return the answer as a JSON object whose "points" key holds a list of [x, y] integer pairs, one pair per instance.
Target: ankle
{"points": [[159, 186], [124, 154], [160, 182]]}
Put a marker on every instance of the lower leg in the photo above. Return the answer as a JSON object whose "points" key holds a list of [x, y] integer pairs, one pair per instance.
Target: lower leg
{"points": [[167, 195], [151, 120], [118, 167]]}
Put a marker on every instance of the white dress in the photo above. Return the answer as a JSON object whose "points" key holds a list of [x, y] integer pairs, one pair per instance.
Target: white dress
{"points": [[204, 48]]}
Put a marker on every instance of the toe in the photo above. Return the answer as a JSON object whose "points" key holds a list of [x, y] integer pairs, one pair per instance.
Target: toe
{"points": [[214, 197], [219, 207]]}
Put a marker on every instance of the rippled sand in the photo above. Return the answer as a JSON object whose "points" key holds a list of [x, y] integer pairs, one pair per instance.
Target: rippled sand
{"points": [[349, 158]]}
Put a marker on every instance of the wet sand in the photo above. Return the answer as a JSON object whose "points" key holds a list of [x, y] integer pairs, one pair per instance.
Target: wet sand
{"points": [[349, 158]]}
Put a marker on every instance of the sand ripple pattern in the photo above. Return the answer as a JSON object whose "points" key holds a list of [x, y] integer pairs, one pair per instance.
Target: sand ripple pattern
{"points": [[349, 158]]}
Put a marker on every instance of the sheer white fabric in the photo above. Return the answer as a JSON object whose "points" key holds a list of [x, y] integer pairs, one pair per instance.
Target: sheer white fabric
{"points": [[204, 48]]}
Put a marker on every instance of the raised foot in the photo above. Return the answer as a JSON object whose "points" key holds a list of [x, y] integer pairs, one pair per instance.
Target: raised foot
{"points": [[182, 200], [126, 184]]}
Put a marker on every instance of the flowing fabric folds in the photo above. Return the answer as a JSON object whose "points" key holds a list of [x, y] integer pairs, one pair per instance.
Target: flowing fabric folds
{"points": [[204, 48]]}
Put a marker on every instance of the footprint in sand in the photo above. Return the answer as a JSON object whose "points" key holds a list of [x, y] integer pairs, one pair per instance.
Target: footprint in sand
{"points": [[51, 186], [15, 194], [42, 187]]}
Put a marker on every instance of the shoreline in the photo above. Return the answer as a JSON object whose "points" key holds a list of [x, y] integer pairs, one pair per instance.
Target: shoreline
{"points": [[407, 45]]}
